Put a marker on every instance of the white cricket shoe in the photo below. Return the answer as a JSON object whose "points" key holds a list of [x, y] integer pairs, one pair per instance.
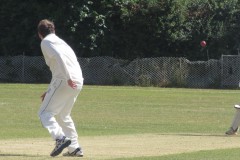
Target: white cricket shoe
{"points": [[237, 106], [231, 131], [60, 145], [77, 153]]}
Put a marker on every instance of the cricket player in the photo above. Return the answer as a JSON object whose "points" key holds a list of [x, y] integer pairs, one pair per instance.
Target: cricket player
{"points": [[235, 122], [65, 86]]}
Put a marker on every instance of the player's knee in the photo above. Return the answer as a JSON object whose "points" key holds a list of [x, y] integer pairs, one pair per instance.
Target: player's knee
{"points": [[45, 117]]}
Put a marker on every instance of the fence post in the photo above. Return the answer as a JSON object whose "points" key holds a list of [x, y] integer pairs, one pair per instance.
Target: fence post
{"points": [[23, 67]]}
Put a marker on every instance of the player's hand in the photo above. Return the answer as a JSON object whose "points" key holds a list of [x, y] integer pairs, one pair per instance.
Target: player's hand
{"points": [[43, 95], [72, 84]]}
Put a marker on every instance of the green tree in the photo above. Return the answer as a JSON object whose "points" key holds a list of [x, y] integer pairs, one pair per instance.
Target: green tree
{"points": [[125, 28], [214, 21]]}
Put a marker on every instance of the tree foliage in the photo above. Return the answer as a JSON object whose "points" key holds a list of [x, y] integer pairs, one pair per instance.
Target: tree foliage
{"points": [[125, 28]]}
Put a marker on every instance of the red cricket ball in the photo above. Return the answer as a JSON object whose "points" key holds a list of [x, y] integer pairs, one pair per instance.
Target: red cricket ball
{"points": [[203, 43]]}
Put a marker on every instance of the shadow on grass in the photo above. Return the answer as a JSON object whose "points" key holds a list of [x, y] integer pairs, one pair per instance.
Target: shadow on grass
{"points": [[199, 135], [17, 155]]}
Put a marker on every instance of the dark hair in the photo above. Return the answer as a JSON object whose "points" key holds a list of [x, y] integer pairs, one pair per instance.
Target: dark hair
{"points": [[46, 27]]}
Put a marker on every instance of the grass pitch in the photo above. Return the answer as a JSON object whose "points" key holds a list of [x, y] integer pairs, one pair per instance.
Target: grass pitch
{"points": [[104, 111]]}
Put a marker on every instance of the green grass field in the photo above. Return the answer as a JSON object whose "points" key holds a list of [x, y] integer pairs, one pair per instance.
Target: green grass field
{"points": [[118, 111]]}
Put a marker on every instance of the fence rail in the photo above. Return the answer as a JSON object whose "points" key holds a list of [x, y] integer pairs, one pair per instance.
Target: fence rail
{"points": [[160, 72]]}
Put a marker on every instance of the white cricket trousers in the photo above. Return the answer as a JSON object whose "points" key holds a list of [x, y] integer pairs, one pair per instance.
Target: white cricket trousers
{"points": [[236, 119], [55, 111]]}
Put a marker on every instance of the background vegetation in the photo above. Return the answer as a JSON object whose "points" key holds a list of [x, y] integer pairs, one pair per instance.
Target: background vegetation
{"points": [[125, 29]]}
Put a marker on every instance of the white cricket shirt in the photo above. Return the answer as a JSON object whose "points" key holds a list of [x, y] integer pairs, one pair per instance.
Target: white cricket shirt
{"points": [[61, 59]]}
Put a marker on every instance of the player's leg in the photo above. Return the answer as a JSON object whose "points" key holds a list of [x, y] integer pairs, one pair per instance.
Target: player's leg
{"points": [[52, 105], [68, 126], [235, 122], [74, 149]]}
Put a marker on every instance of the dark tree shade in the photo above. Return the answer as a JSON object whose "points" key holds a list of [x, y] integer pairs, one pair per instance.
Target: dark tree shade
{"points": [[124, 29]]}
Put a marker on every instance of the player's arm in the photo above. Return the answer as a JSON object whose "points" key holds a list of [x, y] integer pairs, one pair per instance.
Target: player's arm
{"points": [[47, 51], [63, 66], [47, 54]]}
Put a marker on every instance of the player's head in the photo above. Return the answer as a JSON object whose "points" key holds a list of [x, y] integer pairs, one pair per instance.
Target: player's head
{"points": [[45, 27]]}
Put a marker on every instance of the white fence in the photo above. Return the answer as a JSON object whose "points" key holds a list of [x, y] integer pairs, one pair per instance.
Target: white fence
{"points": [[160, 72]]}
